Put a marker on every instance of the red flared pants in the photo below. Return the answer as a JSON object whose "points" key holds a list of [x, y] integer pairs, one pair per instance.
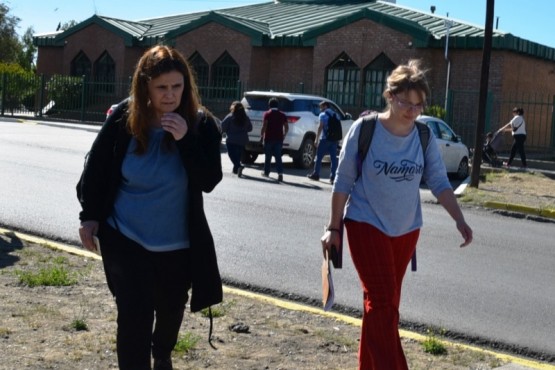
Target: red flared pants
{"points": [[381, 262]]}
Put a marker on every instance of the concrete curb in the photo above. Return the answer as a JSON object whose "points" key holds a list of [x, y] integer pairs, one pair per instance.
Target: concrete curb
{"points": [[543, 212], [513, 362]]}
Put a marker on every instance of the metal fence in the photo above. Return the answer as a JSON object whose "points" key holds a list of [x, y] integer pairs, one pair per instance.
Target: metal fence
{"points": [[69, 98], [462, 115]]}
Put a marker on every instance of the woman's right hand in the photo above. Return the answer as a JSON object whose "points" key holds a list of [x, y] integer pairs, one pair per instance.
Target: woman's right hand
{"points": [[86, 232], [331, 238]]}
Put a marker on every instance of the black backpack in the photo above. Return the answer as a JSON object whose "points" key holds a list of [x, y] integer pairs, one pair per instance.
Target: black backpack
{"points": [[365, 135], [334, 132]]}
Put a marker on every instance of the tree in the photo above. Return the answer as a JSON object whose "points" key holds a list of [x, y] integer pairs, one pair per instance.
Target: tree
{"points": [[10, 47], [28, 50], [66, 25]]}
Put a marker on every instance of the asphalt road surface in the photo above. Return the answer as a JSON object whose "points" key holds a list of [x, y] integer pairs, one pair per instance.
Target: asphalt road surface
{"points": [[501, 289]]}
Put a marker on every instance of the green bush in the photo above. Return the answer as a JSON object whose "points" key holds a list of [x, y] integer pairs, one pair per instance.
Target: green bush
{"points": [[18, 87], [65, 91], [435, 111]]}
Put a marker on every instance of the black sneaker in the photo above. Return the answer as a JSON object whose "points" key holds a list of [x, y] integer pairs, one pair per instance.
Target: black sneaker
{"points": [[264, 174], [280, 177], [165, 364], [332, 179], [314, 177], [240, 171]]}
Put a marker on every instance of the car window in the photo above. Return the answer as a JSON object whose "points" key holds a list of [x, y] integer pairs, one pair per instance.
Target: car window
{"points": [[260, 103], [433, 126], [315, 107], [445, 132], [337, 111], [302, 105]]}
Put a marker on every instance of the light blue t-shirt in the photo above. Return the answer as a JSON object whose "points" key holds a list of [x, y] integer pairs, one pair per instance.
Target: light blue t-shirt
{"points": [[152, 202], [387, 193]]}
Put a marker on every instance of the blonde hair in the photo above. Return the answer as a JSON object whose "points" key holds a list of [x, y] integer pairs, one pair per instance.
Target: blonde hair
{"points": [[407, 77]]}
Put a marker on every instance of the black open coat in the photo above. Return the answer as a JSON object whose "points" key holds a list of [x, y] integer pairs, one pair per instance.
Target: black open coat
{"points": [[200, 152]]}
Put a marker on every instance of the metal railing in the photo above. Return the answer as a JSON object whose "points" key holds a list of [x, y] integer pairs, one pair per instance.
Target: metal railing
{"points": [[69, 98]]}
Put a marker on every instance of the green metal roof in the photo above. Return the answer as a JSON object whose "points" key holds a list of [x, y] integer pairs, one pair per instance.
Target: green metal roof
{"points": [[300, 22]]}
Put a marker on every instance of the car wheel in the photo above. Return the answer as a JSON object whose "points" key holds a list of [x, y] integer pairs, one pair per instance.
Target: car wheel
{"points": [[462, 171], [305, 155], [248, 157]]}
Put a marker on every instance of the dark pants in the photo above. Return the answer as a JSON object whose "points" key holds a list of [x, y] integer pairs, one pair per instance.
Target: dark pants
{"points": [[518, 146], [326, 147], [234, 152], [272, 148], [149, 288]]}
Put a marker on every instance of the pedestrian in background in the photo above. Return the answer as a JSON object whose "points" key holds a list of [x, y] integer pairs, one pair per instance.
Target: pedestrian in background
{"points": [[274, 130], [381, 210], [518, 129], [325, 145], [236, 125], [141, 194]]}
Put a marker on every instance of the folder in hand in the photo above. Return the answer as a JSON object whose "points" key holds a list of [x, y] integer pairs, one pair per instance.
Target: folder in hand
{"points": [[328, 295]]}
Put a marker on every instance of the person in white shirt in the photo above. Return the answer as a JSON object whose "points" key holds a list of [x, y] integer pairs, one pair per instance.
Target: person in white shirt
{"points": [[518, 128]]}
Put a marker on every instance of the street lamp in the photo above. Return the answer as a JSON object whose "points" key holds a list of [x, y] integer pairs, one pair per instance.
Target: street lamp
{"points": [[448, 24]]}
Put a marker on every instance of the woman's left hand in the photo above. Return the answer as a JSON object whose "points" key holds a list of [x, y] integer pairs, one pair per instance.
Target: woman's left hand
{"points": [[175, 125]]}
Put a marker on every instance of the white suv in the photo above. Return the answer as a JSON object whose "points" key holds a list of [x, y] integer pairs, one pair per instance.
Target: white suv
{"points": [[302, 114]]}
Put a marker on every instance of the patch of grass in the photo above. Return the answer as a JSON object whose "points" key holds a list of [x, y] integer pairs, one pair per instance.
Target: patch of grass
{"points": [[186, 343], [54, 273], [219, 310], [433, 346], [79, 325], [47, 276], [4, 332]]}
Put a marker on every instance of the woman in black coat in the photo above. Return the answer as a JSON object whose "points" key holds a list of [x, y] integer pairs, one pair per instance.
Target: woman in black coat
{"points": [[141, 196]]}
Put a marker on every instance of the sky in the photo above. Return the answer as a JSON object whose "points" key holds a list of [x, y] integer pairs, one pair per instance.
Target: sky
{"points": [[532, 20]]}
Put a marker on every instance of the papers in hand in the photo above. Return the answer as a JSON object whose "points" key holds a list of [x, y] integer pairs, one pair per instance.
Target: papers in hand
{"points": [[327, 284]]}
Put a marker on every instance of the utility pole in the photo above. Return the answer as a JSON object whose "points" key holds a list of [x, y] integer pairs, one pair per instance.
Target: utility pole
{"points": [[482, 103], [448, 24]]}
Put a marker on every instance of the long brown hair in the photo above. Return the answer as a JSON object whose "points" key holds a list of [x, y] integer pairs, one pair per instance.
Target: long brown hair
{"points": [[239, 115], [156, 61]]}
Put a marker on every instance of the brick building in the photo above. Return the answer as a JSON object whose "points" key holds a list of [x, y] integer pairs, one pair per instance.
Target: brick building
{"points": [[341, 49]]}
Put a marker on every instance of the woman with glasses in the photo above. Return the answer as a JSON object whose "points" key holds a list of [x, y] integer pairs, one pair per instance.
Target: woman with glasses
{"points": [[379, 204]]}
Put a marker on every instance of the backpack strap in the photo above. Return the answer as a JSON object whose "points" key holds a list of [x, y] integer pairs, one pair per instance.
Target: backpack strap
{"points": [[367, 127], [424, 134]]}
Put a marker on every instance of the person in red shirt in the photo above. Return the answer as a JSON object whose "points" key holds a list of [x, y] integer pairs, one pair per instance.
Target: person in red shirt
{"points": [[274, 130]]}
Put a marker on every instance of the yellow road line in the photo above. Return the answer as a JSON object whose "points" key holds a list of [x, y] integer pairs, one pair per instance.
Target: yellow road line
{"points": [[289, 305]]}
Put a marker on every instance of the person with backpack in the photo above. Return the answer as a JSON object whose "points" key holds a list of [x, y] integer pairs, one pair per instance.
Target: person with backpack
{"points": [[377, 199], [236, 125], [327, 139]]}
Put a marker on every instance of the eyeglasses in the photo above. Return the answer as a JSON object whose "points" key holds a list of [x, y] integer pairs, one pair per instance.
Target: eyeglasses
{"points": [[408, 106]]}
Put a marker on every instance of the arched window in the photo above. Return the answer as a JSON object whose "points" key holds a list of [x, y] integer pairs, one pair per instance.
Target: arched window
{"points": [[375, 81], [342, 80], [81, 65], [105, 73], [225, 77], [201, 68]]}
